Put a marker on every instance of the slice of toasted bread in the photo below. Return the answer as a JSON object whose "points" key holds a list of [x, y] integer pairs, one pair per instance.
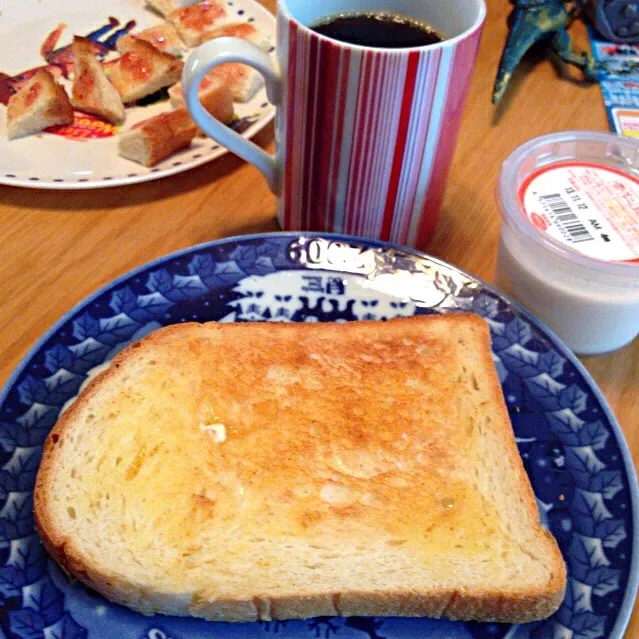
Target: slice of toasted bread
{"points": [[242, 30], [142, 69], [215, 96], [92, 92], [165, 7], [193, 23], [39, 104], [164, 37], [255, 471], [155, 139]]}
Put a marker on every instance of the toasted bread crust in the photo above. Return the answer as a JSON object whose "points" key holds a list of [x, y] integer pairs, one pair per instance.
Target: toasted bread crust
{"points": [[158, 137], [537, 601]]}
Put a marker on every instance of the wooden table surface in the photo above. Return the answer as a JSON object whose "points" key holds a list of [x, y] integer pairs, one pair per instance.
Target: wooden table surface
{"points": [[57, 247]]}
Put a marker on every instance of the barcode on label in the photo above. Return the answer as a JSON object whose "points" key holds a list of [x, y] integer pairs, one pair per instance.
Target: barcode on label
{"points": [[566, 221]]}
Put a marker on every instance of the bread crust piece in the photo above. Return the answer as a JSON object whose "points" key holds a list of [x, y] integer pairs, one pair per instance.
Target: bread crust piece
{"points": [[164, 7], [185, 346], [221, 86], [163, 37], [155, 139], [243, 81], [244, 31], [215, 96], [194, 22]]}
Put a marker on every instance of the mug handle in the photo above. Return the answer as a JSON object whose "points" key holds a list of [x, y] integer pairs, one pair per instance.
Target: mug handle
{"points": [[212, 54]]}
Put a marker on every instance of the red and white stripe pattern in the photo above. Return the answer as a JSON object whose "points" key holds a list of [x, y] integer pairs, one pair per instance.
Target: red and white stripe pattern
{"points": [[370, 135]]}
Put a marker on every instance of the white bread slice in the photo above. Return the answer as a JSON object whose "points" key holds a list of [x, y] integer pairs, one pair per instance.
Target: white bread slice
{"points": [[193, 23], [163, 37], [92, 92], [164, 7], [255, 471], [142, 69], [242, 30], [39, 104], [155, 139], [214, 95]]}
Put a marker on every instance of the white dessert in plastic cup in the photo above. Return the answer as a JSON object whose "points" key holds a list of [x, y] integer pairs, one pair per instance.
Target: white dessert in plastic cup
{"points": [[569, 248]]}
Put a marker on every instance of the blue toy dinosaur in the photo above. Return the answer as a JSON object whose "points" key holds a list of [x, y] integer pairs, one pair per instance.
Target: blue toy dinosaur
{"points": [[533, 21]]}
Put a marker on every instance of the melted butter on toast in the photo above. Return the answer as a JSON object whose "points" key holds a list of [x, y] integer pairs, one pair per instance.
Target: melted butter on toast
{"points": [[316, 448]]}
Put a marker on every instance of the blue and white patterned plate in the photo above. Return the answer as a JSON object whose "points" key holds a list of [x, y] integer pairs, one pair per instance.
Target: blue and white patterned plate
{"points": [[572, 447]]}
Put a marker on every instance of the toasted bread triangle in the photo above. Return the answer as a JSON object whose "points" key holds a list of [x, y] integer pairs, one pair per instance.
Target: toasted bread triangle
{"points": [[39, 104], [92, 92], [142, 69]]}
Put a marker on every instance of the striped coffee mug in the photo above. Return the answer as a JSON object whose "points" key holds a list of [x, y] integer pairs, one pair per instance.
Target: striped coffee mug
{"points": [[365, 135]]}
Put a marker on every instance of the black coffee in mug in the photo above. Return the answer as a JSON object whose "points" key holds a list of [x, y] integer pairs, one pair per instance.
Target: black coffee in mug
{"points": [[377, 29]]}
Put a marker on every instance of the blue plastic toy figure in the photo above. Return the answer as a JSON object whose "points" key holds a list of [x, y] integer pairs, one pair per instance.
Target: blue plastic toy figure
{"points": [[533, 21]]}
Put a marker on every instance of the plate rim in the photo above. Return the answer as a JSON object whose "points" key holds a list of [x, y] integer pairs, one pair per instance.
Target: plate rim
{"points": [[151, 175], [46, 185], [632, 586]]}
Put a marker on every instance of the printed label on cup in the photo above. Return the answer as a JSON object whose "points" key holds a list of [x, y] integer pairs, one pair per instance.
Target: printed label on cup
{"points": [[592, 208]]}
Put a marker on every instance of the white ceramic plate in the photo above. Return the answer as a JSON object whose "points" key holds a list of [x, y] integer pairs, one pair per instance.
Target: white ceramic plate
{"points": [[52, 161]]}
